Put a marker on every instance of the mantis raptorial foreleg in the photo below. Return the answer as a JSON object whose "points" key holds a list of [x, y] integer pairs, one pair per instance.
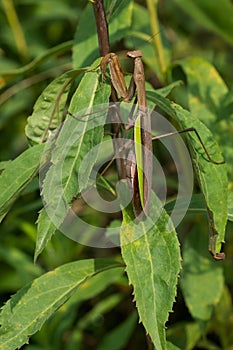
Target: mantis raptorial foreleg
{"points": [[117, 77]]}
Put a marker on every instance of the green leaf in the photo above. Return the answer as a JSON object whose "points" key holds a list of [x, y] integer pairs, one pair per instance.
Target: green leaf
{"points": [[223, 318], [196, 205], [21, 263], [213, 15], [49, 108], [85, 48], [213, 178], [201, 278], [151, 252], [102, 307], [57, 50], [119, 18], [47, 293], [118, 338], [171, 346], [4, 164], [77, 137], [184, 334], [17, 175], [66, 316], [210, 101], [230, 205], [223, 310], [206, 89], [225, 130], [99, 283], [140, 37], [164, 91], [45, 230]]}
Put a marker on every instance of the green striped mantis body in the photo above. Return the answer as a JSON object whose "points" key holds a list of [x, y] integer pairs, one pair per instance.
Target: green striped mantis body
{"points": [[143, 142]]}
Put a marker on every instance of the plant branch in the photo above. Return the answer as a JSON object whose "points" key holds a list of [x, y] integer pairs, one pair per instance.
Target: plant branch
{"points": [[152, 6], [104, 48], [102, 27], [16, 28]]}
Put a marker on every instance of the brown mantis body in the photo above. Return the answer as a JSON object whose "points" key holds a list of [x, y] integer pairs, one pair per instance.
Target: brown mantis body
{"points": [[143, 140], [140, 168], [117, 77]]}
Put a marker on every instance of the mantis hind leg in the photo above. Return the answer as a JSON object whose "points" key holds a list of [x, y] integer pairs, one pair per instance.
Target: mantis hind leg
{"points": [[199, 138]]}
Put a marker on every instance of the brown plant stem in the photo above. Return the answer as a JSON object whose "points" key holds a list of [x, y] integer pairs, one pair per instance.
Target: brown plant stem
{"points": [[102, 27], [104, 49]]}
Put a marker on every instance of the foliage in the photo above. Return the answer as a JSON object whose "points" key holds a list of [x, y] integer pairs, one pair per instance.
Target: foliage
{"points": [[55, 134]]}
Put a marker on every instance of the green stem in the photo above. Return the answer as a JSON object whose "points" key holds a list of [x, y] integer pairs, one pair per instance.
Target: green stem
{"points": [[16, 28], [157, 42]]}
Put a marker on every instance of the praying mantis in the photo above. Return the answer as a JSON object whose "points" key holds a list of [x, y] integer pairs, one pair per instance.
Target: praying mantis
{"points": [[141, 173], [139, 165]]}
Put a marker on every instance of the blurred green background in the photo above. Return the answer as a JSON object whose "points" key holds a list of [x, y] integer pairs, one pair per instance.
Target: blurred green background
{"points": [[35, 47]]}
